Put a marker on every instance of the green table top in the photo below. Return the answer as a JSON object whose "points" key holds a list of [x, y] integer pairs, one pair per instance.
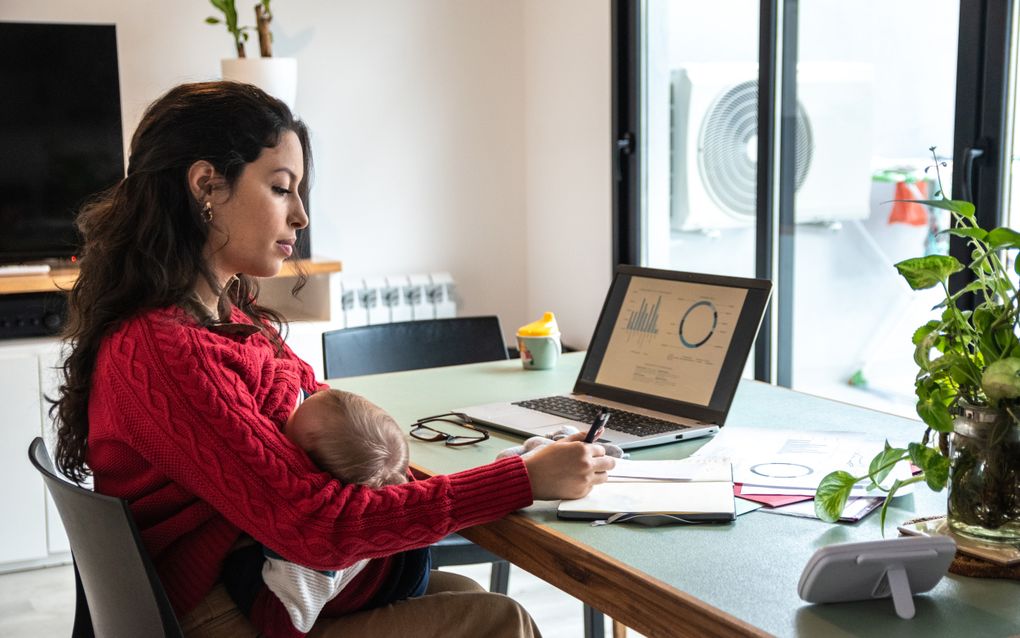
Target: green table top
{"points": [[749, 569]]}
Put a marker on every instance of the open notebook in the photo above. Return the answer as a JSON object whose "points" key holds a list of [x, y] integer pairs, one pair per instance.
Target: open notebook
{"points": [[657, 492]]}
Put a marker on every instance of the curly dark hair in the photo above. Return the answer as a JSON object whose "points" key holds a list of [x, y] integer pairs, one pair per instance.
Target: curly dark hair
{"points": [[144, 238]]}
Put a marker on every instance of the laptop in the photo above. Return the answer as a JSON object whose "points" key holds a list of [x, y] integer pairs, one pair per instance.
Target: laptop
{"points": [[667, 354]]}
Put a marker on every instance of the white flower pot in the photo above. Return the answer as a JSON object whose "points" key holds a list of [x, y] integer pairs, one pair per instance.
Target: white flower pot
{"points": [[275, 76]]}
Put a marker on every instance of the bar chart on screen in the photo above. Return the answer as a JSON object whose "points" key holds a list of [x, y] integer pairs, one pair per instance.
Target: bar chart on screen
{"points": [[644, 322]]}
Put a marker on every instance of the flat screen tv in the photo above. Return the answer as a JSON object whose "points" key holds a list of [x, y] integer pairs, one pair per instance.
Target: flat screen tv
{"points": [[60, 133]]}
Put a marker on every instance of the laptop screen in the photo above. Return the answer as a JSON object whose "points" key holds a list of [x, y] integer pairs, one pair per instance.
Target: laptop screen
{"points": [[670, 338], [672, 341]]}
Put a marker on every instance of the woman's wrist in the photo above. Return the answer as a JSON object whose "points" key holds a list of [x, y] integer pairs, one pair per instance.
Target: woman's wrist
{"points": [[489, 492]]}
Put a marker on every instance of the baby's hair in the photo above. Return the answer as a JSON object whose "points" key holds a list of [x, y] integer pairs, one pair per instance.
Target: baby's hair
{"points": [[368, 450]]}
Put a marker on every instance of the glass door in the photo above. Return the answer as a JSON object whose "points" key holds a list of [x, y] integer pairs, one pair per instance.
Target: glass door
{"points": [[699, 121], [859, 102], [875, 92]]}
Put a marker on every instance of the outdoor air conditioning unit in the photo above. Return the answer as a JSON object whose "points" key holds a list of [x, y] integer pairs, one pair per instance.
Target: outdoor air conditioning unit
{"points": [[715, 135]]}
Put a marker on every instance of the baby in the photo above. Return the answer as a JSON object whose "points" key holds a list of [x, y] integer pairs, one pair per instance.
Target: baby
{"points": [[351, 438], [358, 443]]}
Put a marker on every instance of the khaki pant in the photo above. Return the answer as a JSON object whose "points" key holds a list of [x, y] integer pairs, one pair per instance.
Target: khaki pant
{"points": [[453, 605]]}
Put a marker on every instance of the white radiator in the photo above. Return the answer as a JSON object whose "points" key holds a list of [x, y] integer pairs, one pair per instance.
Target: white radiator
{"points": [[374, 300], [346, 301]]}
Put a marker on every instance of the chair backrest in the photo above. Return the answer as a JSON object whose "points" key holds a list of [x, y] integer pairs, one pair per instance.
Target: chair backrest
{"points": [[411, 345], [125, 597]]}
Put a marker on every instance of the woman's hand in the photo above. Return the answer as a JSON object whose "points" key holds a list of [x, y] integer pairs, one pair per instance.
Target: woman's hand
{"points": [[567, 469]]}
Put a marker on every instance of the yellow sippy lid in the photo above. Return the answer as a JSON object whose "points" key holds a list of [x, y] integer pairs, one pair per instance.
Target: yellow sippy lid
{"points": [[544, 327]]}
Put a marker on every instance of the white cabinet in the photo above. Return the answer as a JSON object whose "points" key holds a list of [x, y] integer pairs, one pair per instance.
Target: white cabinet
{"points": [[31, 533], [50, 358], [305, 339], [24, 537]]}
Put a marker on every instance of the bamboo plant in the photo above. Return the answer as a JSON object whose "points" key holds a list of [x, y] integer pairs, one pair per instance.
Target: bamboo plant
{"points": [[263, 18]]}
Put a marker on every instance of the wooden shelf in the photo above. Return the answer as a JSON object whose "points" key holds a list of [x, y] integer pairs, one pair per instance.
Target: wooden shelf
{"points": [[62, 279], [310, 267]]}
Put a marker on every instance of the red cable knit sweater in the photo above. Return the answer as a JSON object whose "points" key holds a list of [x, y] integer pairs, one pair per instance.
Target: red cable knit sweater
{"points": [[186, 424]]}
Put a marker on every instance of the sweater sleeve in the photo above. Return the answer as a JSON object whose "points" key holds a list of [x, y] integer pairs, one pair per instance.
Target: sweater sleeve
{"points": [[183, 405]]}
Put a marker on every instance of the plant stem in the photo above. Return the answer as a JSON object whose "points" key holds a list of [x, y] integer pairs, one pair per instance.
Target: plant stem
{"points": [[262, 19], [882, 468]]}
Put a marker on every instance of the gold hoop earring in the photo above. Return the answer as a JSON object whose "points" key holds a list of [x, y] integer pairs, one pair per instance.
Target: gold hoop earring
{"points": [[207, 212]]}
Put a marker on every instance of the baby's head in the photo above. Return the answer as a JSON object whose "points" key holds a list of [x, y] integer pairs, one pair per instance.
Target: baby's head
{"points": [[351, 438]]}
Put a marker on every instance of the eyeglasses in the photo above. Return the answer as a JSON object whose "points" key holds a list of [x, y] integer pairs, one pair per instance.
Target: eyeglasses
{"points": [[461, 432]]}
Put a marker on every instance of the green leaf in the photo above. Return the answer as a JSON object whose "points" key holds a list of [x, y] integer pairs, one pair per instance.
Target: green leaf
{"points": [[1004, 238], [934, 412], [974, 286], [922, 353], [924, 331], [830, 498], [932, 463], [884, 462], [950, 316], [888, 499], [940, 364], [1005, 339], [983, 318], [961, 370], [212, 20], [958, 206], [971, 233], [1001, 379], [897, 484], [926, 272]]}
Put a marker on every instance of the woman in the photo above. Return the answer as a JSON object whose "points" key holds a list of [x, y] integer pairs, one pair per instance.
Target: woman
{"points": [[178, 385]]}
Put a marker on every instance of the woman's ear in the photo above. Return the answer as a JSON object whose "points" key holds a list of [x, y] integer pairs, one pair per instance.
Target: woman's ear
{"points": [[202, 180]]}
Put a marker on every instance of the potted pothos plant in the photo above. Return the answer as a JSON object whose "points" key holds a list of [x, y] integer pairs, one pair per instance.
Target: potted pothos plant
{"points": [[276, 76], [967, 387]]}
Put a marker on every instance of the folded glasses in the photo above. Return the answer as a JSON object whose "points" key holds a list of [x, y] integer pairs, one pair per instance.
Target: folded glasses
{"points": [[453, 429]]}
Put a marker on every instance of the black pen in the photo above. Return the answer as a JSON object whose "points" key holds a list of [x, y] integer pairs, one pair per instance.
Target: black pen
{"points": [[597, 426]]}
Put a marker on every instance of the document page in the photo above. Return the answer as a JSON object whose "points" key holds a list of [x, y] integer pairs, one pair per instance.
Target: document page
{"points": [[671, 497], [795, 461], [680, 470]]}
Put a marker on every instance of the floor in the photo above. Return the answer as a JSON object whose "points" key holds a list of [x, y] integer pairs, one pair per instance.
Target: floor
{"points": [[40, 603]]}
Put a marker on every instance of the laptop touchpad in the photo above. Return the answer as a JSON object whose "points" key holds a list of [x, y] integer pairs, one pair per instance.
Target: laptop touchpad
{"points": [[516, 418]]}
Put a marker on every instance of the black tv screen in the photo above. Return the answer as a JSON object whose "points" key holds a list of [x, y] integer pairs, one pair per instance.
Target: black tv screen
{"points": [[60, 133]]}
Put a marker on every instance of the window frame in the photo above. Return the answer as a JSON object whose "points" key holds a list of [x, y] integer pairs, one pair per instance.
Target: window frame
{"points": [[980, 138]]}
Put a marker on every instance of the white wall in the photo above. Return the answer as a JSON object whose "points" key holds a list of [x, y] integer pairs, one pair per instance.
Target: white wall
{"points": [[470, 136], [568, 173]]}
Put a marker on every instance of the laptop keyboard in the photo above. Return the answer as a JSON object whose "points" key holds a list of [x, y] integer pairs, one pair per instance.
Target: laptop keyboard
{"points": [[619, 420]]}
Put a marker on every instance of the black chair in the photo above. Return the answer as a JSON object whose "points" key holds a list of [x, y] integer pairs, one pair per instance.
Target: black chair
{"points": [[117, 590], [412, 345], [432, 343]]}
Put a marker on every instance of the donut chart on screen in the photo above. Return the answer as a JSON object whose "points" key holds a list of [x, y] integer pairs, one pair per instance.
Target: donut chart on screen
{"points": [[698, 324]]}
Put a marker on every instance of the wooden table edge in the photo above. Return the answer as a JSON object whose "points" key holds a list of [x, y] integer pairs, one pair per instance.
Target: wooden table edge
{"points": [[630, 596]]}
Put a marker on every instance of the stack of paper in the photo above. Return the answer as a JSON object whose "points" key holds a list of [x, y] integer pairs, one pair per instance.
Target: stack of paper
{"points": [[782, 468], [660, 491]]}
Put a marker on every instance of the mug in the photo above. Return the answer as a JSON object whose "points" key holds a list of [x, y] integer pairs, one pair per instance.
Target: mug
{"points": [[539, 353]]}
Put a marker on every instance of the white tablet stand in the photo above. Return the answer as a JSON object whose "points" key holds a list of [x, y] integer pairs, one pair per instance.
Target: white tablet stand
{"points": [[897, 567]]}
